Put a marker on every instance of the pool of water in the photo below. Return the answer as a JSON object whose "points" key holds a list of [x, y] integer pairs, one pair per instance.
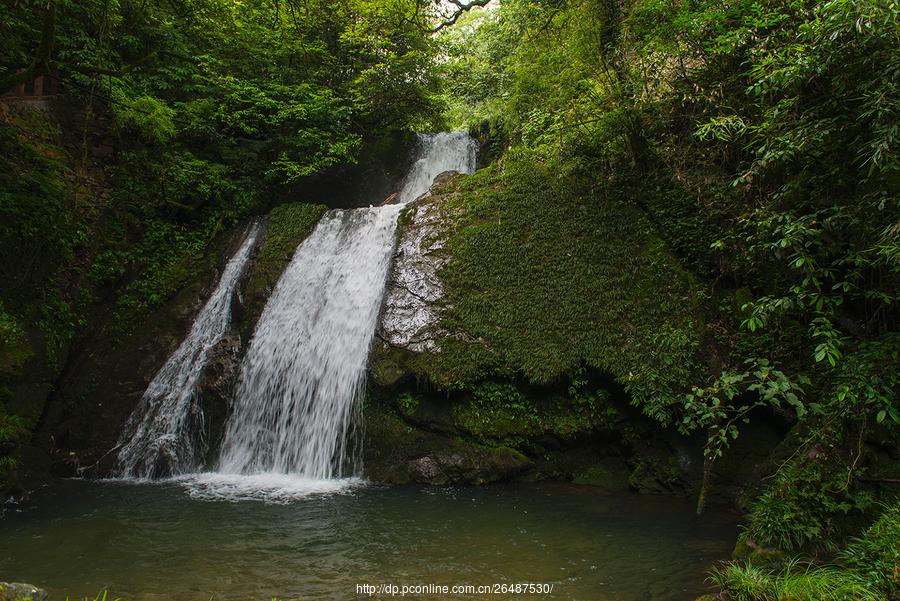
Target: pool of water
{"points": [[189, 540]]}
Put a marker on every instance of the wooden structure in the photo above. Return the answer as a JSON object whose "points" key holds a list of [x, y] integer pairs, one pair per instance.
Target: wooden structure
{"points": [[37, 89]]}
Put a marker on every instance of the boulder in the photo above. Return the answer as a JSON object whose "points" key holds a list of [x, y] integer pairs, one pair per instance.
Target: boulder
{"points": [[19, 591], [216, 387], [413, 292]]}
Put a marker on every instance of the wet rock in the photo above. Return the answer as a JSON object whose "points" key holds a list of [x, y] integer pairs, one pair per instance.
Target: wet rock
{"points": [[747, 550], [426, 469], [397, 453], [413, 291], [18, 591], [470, 465], [657, 471], [221, 367], [216, 387]]}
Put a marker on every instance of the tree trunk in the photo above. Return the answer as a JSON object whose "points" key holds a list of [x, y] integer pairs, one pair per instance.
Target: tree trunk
{"points": [[704, 484]]}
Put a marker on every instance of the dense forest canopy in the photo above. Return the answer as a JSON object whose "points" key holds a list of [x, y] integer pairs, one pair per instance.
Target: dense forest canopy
{"points": [[759, 139]]}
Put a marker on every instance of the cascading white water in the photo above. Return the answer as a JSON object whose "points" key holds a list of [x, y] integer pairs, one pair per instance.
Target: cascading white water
{"points": [[164, 434], [437, 153], [305, 364], [296, 402]]}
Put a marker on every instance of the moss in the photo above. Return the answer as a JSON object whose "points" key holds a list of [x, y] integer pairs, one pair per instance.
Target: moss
{"points": [[550, 269], [497, 412], [653, 474], [398, 453]]}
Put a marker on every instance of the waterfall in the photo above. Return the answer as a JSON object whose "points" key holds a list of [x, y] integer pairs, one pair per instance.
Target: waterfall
{"points": [[297, 400], [304, 368], [164, 434], [437, 153]]}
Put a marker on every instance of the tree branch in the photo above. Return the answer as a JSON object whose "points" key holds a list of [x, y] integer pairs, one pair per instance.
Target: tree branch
{"points": [[462, 7]]}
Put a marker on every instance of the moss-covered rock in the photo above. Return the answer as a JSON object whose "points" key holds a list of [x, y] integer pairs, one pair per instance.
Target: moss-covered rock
{"points": [[398, 453], [507, 284], [105, 378], [505, 430], [541, 272]]}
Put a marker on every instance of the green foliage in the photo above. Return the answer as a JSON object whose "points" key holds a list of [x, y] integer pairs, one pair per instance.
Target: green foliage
{"points": [[498, 412], [811, 494], [722, 407], [867, 383], [796, 582], [14, 349], [407, 403], [170, 259], [504, 413], [807, 501], [11, 428], [144, 115], [36, 208], [876, 554], [12, 432]]}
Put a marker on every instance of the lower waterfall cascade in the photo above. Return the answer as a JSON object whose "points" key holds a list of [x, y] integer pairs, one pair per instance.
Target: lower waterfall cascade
{"points": [[165, 433], [295, 400]]}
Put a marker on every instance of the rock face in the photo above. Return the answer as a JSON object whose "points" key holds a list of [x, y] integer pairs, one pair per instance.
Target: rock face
{"points": [[216, 387], [398, 453], [18, 591], [409, 316], [106, 378]]}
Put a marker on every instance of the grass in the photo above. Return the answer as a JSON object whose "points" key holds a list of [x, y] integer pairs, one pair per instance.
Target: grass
{"points": [[796, 582], [876, 554]]}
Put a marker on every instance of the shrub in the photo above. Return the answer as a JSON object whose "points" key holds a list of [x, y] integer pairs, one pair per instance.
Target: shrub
{"points": [[876, 554]]}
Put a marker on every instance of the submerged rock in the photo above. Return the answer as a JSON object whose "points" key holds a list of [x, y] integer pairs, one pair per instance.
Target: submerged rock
{"points": [[19, 591]]}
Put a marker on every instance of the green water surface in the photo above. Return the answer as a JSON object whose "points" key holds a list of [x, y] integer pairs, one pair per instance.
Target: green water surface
{"points": [[157, 541]]}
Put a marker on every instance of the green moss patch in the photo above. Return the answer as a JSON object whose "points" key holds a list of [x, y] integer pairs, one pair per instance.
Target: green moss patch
{"points": [[551, 269], [502, 413]]}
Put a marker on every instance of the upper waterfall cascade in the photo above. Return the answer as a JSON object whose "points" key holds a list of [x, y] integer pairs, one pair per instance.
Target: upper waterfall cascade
{"points": [[297, 399], [165, 433]]}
